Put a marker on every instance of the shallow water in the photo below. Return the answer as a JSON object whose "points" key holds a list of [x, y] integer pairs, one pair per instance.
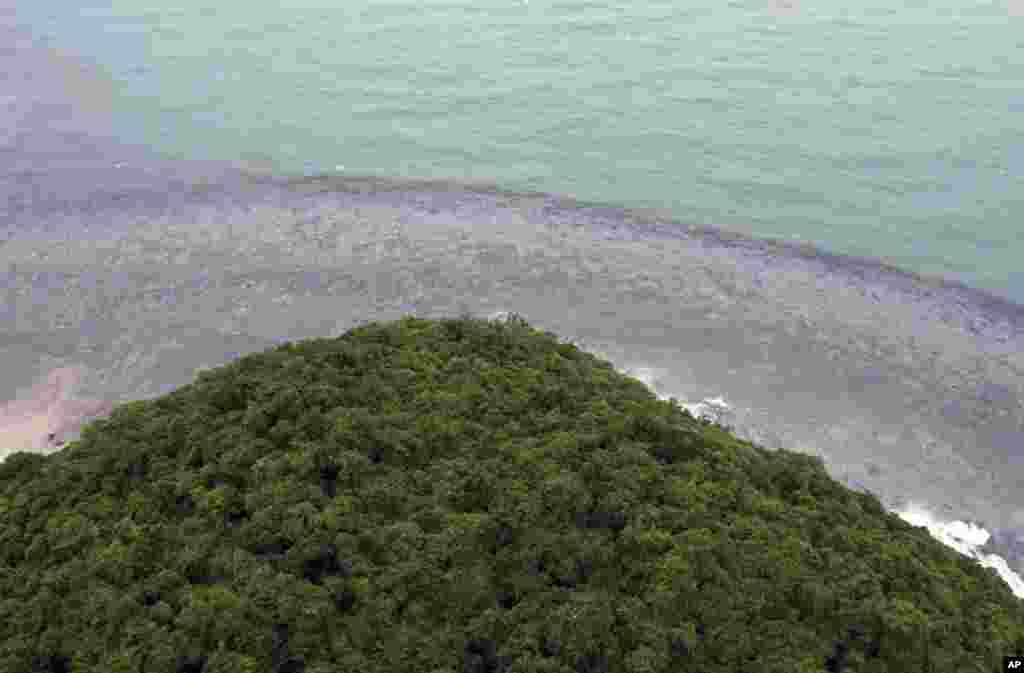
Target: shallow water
{"points": [[908, 388], [878, 129], [141, 270]]}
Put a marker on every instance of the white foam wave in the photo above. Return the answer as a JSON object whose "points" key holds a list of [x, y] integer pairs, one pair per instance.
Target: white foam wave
{"points": [[964, 537], [711, 408]]}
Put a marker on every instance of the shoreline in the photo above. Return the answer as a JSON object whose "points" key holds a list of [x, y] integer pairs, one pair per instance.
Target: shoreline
{"points": [[147, 289]]}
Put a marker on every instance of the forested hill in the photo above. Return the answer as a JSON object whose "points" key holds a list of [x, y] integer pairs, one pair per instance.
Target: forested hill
{"points": [[458, 496]]}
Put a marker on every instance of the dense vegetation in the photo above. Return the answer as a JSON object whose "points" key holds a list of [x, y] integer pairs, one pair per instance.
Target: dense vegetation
{"points": [[462, 496]]}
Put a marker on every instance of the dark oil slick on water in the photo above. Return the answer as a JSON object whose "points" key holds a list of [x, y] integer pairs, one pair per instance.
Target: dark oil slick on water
{"points": [[137, 271]]}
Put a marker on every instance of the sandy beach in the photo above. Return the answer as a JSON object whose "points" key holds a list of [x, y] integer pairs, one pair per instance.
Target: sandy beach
{"points": [[46, 416]]}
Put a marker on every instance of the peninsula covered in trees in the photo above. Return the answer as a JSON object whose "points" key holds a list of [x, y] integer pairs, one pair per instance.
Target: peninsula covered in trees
{"points": [[462, 496]]}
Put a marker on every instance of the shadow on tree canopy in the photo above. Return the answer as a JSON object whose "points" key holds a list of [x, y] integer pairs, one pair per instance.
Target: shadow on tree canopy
{"points": [[462, 496]]}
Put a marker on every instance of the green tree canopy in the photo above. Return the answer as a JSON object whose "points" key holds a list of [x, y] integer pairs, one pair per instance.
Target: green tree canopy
{"points": [[462, 496]]}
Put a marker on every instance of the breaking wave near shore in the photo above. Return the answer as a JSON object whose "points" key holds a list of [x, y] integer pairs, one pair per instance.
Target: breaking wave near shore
{"points": [[968, 538]]}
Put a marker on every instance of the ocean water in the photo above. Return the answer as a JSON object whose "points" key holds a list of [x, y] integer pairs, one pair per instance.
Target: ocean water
{"points": [[886, 139], [880, 130], [968, 538]]}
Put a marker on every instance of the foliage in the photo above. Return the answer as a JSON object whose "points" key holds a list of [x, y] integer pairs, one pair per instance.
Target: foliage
{"points": [[462, 496]]}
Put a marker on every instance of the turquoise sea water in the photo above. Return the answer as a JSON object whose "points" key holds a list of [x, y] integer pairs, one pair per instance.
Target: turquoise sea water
{"points": [[891, 131]]}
